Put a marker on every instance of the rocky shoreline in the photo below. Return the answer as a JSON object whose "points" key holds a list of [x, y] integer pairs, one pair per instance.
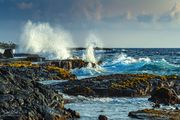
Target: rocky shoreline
{"points": [[23, 97], [118, 85], [164, 90]]}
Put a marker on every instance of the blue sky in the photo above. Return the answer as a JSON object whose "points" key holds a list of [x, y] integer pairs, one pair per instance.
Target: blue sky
{"points": [[118, 23]]}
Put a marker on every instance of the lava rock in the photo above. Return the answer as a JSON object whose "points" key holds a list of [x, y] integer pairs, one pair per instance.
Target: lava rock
{"points": [[116, 85], [151, 114], [8, 53], [165, 96], [27, 99], [102, 117], [70, 63]]}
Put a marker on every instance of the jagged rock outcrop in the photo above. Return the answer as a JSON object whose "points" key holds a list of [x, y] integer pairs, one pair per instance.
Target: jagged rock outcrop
{"points": [[117, 85], [23, 98], [29, 70], [8, 53], [69, 63], [102, 117], [165, 96]]}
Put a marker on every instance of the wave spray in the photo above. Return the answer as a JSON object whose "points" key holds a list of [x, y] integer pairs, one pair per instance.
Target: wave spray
{"points": [[91, 42], [46, 40]]}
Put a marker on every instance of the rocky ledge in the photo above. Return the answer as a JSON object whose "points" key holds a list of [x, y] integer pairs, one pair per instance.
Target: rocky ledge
{"points": [[118, 85], [152, 114], [29, 70], [166, 96], [24, 98], [70, 63]]}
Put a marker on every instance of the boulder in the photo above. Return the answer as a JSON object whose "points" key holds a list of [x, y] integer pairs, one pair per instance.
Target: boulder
{"points": [[102, 117], [8, 53], [165, 96]]}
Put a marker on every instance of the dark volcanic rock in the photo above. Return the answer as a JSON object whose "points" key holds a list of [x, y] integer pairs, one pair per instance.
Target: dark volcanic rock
{"points": [[70, 63], [25, 98], [117, 85], [102, 117], [151, 114], [1, 56], [37, 71], [8, 53], [35, 58], [165, 96]]}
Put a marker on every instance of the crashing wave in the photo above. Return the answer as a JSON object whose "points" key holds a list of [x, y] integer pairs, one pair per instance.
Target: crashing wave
{"points": [[42, 38], [127, 64]]}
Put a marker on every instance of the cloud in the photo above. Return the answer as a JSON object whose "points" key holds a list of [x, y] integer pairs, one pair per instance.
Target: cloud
{"points": [[24, 5], [175, 11], [173, 15], [165, 18], [145, 18], [87, 9]]}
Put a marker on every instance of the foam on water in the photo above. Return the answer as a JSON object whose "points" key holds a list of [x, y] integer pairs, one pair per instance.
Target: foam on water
{"points": [[123, 63]]}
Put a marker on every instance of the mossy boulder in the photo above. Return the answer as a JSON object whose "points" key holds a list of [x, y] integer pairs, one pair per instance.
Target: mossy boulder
{"points": [[62, 73]]}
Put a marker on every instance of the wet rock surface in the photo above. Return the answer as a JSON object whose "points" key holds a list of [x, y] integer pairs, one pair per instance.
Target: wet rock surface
{"points": [[151, 114], [69, 63], [117, 85], [165, 96], [102, 117], [24, 98], [8, 53]]}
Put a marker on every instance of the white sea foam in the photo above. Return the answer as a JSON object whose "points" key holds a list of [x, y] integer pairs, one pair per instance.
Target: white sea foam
{"points": [[92, 41], [124, 59], [47, 40]]}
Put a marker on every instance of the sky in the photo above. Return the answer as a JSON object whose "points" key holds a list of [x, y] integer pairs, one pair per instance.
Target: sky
{"points": [[117, 23]]}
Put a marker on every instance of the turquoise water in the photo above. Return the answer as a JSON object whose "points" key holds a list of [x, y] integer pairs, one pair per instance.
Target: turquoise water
{"points": [[113, 108], [153, 61]]}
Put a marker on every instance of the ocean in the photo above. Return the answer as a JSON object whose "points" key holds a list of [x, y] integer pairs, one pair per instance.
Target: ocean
{"points": [[160, 61]]}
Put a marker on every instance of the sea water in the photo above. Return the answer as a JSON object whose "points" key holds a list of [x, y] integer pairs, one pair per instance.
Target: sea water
{"points": [[113, 108], [161, 61], [153, 61]]}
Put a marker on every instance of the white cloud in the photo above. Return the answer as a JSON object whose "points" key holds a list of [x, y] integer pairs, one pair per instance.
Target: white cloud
{"points": [[175, 12], [24, 5]]}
